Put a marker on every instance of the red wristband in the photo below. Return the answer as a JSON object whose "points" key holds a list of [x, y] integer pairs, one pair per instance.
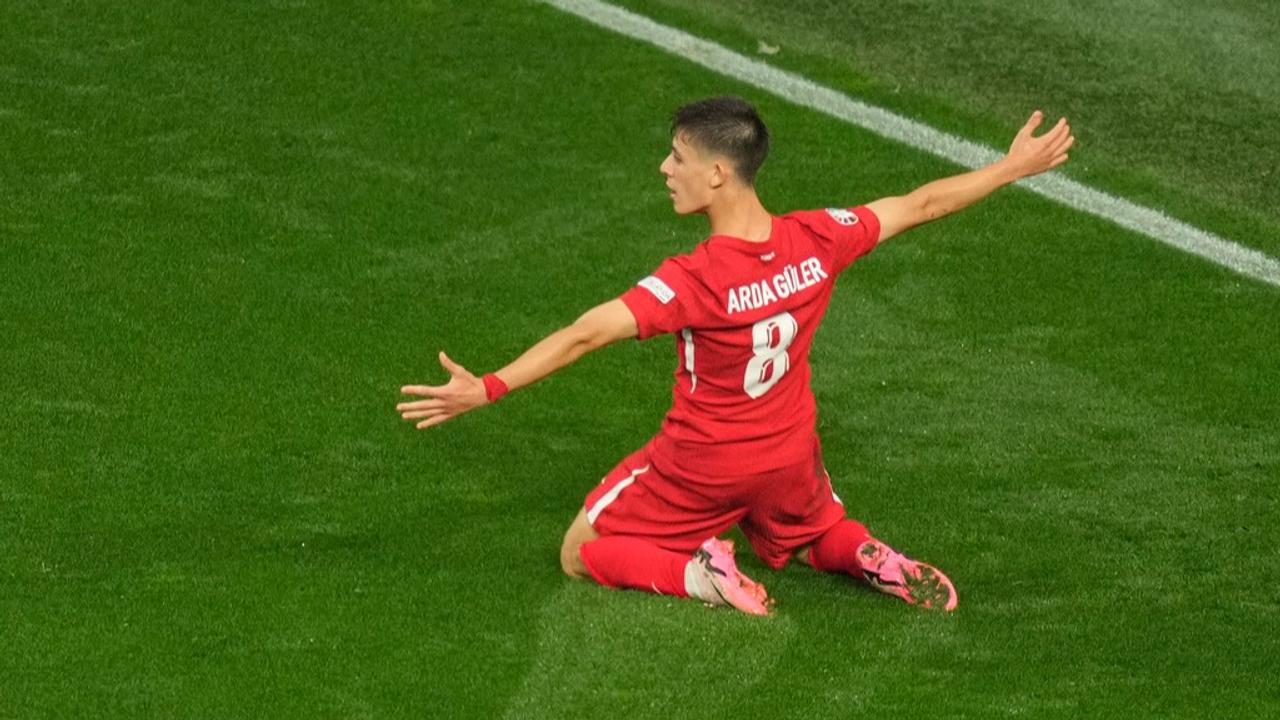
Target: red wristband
{"points": [[494, 388]]}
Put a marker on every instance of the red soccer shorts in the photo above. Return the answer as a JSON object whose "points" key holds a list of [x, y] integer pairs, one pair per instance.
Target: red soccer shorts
{"points": [[780, 511]]}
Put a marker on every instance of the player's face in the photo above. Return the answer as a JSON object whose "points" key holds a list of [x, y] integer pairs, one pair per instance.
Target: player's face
{"points": [[691, 176]]}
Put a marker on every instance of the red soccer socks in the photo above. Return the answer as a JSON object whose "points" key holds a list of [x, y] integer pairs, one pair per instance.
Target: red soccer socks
{"points": [[710, 574], [625, 562], [850, 549], [836, 550]]}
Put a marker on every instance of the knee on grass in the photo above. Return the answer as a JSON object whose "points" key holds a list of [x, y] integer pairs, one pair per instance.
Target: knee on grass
{"points": [[579, 533], [571, 560]]}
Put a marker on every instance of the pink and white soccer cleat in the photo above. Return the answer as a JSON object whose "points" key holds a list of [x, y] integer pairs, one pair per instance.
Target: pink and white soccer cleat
{"points": [[712, 577], [889, 571]]}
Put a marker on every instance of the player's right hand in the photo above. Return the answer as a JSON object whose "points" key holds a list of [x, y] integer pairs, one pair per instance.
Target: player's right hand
{"points": [[1030, 155], [464, 392]]}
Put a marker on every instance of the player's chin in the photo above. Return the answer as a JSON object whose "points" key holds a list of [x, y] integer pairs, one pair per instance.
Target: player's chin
{"points": [[685, 208]]}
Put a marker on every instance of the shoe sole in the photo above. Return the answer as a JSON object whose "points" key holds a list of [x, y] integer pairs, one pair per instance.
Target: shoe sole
{"points": [[923, 585]]}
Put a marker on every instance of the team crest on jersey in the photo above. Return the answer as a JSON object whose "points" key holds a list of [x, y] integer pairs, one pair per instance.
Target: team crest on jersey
{"points": [[660, 290], [844, 217]]}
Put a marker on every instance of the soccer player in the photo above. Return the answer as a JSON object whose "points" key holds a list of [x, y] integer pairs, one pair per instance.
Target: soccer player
{"points": [[739, 446]]}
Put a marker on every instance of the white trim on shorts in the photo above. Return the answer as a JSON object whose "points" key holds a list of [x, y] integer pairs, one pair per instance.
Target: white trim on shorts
{"points": [[612, 495]]}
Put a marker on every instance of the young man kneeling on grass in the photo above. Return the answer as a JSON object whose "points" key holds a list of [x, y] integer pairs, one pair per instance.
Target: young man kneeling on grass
{"points": [[739, 445]]}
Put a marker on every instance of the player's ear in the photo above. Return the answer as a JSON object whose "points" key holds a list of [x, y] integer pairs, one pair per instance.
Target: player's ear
{"points": [[720, 172]]}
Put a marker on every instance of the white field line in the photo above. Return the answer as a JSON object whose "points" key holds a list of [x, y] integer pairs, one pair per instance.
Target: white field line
{"points": [[806, 93]]}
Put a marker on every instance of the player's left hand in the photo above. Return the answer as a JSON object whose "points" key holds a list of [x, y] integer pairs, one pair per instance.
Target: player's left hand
{"points": [[464, 392]]}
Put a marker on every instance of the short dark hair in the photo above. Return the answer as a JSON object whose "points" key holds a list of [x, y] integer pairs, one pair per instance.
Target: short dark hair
{"points": [[726, 126]]}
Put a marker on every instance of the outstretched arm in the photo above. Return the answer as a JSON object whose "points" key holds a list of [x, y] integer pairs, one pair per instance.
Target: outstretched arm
{"points": [[599, 326], [1028, 155]]}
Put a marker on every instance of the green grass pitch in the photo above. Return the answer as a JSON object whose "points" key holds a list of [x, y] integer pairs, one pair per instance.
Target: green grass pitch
{"points": [[231, 232]]}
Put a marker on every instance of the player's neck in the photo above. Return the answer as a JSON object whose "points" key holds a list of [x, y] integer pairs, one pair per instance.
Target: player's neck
{"points": [[740, 214]]}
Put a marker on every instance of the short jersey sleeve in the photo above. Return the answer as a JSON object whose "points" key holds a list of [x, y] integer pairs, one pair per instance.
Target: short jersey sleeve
{"points": [[663, 301], [848, 234]]}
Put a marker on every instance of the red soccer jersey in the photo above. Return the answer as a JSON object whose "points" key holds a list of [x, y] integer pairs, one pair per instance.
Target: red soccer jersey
{"points": [[744, 315]]}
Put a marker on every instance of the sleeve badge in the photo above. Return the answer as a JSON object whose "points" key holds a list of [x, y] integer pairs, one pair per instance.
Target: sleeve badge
{"points": [[844, 217], [660, 290]]}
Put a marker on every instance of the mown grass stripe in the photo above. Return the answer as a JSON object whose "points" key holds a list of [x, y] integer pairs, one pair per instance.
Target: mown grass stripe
{"points": [[800, 91]]}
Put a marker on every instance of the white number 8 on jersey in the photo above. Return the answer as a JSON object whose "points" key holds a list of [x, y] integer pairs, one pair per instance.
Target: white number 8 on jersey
{"points": [[770, 339]]}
